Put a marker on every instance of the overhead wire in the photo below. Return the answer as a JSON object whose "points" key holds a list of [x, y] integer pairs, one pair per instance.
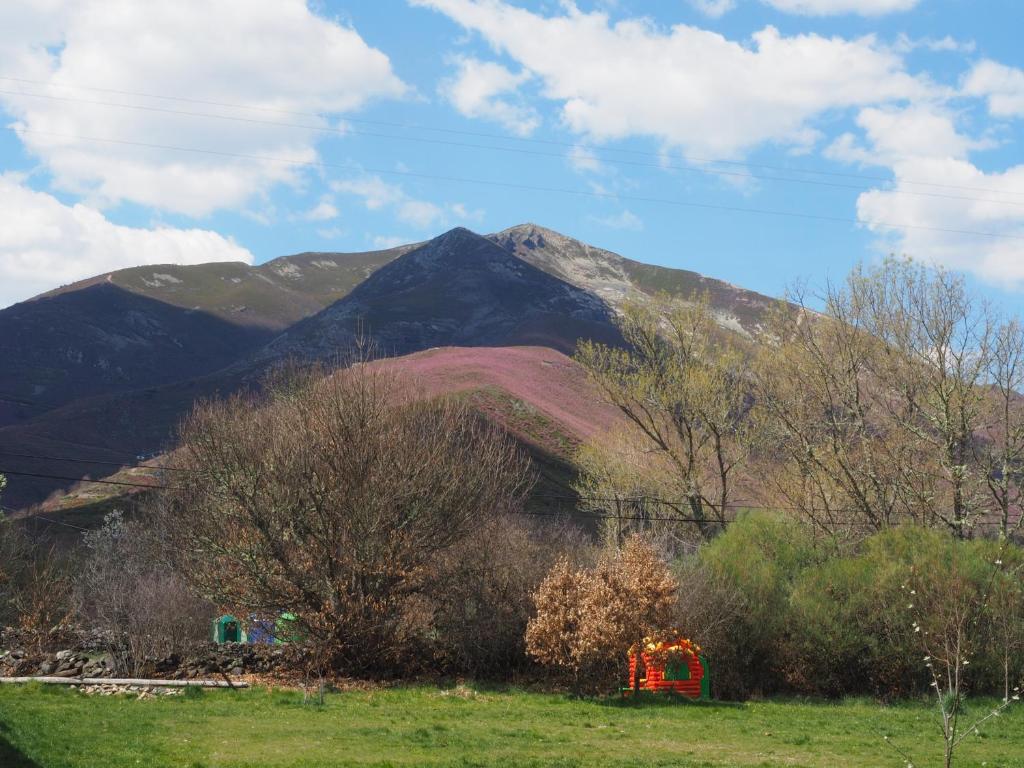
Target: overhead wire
{"points": [[701, 169], [531, 187], [499, 136], [606, 515]]}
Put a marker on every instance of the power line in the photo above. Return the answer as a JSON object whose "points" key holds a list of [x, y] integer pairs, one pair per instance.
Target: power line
{"points": [[533, 513], [124, 465], [515, 150], [86, 480], [503, 137], [529, 187]]}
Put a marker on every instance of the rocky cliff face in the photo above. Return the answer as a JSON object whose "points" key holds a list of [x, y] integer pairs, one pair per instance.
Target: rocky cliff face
{"points": [[615, 278]]}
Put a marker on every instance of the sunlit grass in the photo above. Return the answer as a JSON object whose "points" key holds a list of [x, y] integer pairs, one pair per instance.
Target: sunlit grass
{"points": [[50, 727]]}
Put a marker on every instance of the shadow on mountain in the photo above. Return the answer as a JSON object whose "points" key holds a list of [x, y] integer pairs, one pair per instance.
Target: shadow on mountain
{"points": [[103, 339], [459, 289]]}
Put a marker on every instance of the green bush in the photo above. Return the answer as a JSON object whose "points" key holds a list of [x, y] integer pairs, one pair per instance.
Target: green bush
{"points": [[758, 558], [812, 619]]}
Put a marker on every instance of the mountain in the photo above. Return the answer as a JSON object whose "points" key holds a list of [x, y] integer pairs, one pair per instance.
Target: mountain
{"points": [[149, 326], [615, 278], [103, 370], [459, 289]]}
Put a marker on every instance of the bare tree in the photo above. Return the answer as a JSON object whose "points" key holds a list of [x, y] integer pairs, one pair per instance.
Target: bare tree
{"points": [[999, 451], [681, 385], [932, 373], [829, 455], [330, 497], [140, 605], [878, 405]]}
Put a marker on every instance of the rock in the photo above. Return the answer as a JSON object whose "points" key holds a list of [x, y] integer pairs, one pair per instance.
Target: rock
{"points": [[46, 667], [64, 655]]}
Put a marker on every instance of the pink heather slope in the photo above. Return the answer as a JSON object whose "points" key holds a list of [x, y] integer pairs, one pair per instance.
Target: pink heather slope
{"points": [[542, 377]]}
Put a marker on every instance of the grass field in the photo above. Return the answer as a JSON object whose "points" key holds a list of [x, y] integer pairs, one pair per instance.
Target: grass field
{"points": [[52, 726]]}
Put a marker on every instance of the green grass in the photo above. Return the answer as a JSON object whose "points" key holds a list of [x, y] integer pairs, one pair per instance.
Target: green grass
{"points": [[50, 727]]}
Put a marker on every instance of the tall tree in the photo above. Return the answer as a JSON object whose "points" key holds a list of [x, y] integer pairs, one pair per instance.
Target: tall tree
{"points": [[330, 498], [680, 383]]}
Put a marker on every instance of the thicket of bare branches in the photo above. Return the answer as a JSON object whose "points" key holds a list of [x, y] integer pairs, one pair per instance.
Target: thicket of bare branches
{"points": [[35, 584], [332, 497], [126, 591], [900, 403], [893, 397]]}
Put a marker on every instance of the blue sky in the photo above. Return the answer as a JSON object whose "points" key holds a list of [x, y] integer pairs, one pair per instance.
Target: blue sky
{"points": [[247, 129]]}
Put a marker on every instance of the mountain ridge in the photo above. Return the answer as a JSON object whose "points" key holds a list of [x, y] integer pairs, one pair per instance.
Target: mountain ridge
{"points": [[114, 377]]}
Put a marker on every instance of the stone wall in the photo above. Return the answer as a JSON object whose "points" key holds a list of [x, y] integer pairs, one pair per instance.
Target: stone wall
{"points": [[88, 656]]}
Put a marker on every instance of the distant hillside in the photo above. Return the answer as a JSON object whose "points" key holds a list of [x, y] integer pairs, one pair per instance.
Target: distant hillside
{"points": [[104, 369], [148, 326], [615, 278], [541, 396]]}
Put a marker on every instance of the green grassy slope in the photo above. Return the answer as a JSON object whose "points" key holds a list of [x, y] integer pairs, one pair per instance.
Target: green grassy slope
{"points": [[425, 726]]}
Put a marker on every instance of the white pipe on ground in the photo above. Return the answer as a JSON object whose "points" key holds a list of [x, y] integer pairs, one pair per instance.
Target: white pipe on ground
{"points": [[127, 681]]}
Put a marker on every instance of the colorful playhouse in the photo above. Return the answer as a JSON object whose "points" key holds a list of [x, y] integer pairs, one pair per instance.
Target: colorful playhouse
{"points": [[674, 665]]}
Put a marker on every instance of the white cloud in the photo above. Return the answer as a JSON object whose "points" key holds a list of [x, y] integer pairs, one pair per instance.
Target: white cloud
{"points": [[474, 92], [378, 194], [939, 196], [623, 220], [838, 7], [45, 243], [583, 160], [384, 242], [948, 44], [322, 211], [210, 50], [687, 87], [713, 8], [1003, 87], [420, 213]]}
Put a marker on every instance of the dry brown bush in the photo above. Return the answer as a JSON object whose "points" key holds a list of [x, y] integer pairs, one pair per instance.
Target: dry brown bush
{"points": [[588, 619], [332, 497]]}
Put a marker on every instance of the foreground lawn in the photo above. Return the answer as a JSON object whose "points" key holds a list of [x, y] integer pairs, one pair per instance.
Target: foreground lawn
{"points": [[51, 727]]}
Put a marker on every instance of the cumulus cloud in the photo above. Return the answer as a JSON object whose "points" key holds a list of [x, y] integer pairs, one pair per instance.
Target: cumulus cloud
{"points": [[322, 211], [476, 90], [378, 194], [1002, 86], [943, 197], [839, 7], [205, 50], [625, 219], [685, 86], [45, 243], [713, 8]]}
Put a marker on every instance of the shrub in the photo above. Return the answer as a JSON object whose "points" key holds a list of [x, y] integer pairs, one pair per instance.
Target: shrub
{"points": [[588, 619], [755, 561]]}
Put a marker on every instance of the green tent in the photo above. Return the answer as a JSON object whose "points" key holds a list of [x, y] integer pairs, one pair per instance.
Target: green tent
{"points": [[227, 629]]}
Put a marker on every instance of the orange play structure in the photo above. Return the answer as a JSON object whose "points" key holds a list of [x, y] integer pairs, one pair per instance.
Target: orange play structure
{"points": [[675, 665]]}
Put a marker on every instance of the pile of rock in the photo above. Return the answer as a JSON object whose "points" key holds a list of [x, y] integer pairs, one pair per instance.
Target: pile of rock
{"points": [[237, 659], [66, 663], [140, 691]]}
